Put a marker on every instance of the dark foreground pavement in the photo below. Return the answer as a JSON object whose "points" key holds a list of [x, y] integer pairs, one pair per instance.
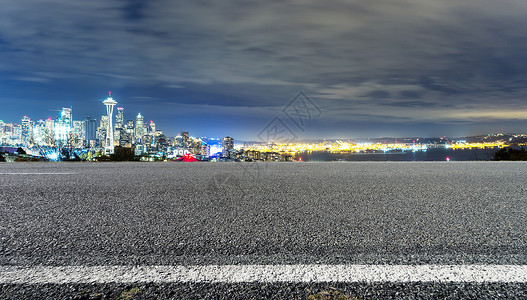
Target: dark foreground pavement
{"points": [[341, 291], [77, 214]]}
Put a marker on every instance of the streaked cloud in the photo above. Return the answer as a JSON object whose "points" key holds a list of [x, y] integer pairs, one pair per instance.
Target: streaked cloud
{"points": [[396, 60]]}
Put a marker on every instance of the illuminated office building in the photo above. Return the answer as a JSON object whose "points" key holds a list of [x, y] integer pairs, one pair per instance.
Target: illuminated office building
{"points": [[63, 128], [139, 128], [205, 149], [27, 131], [185, 139], [119, 118], [50, 132], [7, 133], [66, 114], [178, 142], [17, 132], [130, 128], [227, 146], [101, 131], [40, 133], [2, 130], [78, 134], [90, 130]]}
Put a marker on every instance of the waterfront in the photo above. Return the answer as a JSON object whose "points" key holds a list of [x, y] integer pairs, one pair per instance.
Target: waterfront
{"points": [[438, 154]]}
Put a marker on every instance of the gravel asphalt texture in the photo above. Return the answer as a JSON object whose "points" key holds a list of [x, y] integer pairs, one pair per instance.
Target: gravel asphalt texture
{"points": [[90, 214]]}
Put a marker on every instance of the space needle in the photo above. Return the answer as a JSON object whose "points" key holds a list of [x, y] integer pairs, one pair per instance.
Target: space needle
{"points": [[109, 103]]}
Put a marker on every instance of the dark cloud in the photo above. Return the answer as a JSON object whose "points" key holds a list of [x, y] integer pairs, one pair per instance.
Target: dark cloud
{"points": [[133, 10], [393, 60], [409, 95], [379, 94], [410, 104]]}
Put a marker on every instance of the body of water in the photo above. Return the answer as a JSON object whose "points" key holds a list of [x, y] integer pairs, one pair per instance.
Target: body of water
{"points": [[439, 154]]}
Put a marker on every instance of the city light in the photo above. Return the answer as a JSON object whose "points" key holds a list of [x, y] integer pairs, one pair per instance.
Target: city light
{"points": [[93, 140], [54, 156], [214, 149]]}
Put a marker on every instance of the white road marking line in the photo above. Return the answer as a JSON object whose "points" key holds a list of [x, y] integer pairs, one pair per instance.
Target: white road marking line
{"points": [[38, 173], [265, 273]]}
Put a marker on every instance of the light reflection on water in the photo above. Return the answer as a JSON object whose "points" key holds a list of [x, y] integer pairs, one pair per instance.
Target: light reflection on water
{"points": [[440, 154]]}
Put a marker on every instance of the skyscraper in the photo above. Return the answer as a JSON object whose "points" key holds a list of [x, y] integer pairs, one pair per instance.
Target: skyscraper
{"points": [[50, 132], [66, 115], [152, 127], [90, 130], [9, 129], [63, 128], [27, 130], [101, 130], [178, 142], [139, 127], [109, 103], [40, 133], [227, 145], [130, 130], [119, 118], [8, 133], [205, 149], [185, 139], [78, 134], [2, 131], [17, 133]]}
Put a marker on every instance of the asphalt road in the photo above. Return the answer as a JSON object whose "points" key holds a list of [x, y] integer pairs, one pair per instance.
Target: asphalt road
{"points": [[145, 214]]}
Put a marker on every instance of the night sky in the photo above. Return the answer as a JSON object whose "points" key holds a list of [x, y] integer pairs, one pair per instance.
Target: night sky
{"points": [[216, 68]]}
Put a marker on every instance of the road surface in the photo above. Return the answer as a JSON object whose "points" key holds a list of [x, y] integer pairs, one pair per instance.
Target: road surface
{"points": [[263, 230]]}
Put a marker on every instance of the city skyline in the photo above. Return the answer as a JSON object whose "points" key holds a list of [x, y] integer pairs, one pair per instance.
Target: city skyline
{"points": [[66, 138], [120, 121], [393, 68], [104, 121]]}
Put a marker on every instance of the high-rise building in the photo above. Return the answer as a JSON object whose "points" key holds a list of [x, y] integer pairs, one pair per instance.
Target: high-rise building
{"points": [[17, 132], [178, 142], [101, 130], [63, 128], [139, 128], [120, 137], [161, 142], [119, 118], [90, 130], [2, 130], [40, 133], [152, 127], [147, 140], [185, 140], [127, 134], [50, 132], [117, 135], [78, 134], [227, 146], [109, 103], [27, 130], [130, 128], [205, 149], [8, 134], [9, 129], [66, 115], [13, 133]]}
